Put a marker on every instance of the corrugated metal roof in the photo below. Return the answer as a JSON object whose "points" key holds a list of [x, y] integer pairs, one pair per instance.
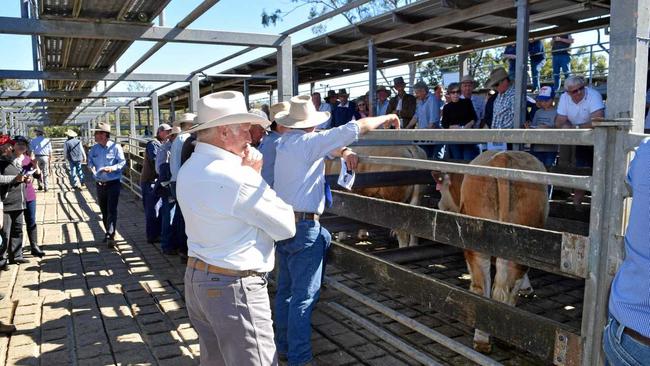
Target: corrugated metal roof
{"points": [[469, 33], [77, 54]]}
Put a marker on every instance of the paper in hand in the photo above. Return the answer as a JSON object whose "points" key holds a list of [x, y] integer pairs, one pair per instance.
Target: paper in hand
{"points": [[346, 177]]}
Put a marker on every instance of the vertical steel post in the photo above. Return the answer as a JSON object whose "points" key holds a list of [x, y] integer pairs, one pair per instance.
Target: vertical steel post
{"points": [[626, 84], [247, 94], [521, 63], [155, 112], [194, 94], [12, 124], [132, 119], [312, 88], [172, 110], [372, 76], [4, 121], [296, 82], [285, 70], [118, 123], [88, 130], [591, 64]]}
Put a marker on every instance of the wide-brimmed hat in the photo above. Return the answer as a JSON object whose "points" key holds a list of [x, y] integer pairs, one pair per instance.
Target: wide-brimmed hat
{"points": [[175, 130], [331, 93], [38, 129], [398, 81], [468, 79], [102, 127], [383, 88], [496, 76], [343, 92], [225, 108], [301, 114], [277, 108], [185, 118], [70, 133]]}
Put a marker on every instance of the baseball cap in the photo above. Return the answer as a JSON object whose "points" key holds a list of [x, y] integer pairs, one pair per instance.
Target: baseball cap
{"points": [[164, 127], [546, 93]]}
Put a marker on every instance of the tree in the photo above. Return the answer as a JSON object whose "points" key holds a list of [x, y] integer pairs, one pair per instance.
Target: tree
{"points": [[481, 63], [320, 7], [13, 84]]}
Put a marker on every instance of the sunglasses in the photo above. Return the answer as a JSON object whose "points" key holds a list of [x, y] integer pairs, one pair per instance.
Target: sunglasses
{"points": [[576, 91], [454, 92]]}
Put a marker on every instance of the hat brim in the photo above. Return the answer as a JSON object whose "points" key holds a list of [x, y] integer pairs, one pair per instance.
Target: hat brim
{"points": [[99, 130], [178, 123], [543, 98], [232, 119], [284, 119], [71, 134]]}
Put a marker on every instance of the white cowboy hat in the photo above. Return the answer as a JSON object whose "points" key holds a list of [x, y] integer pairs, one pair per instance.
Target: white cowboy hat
{"points": [[70, 133], [277, 108], [103, 127], [185, 118], [225, 108], [175, 131], [301, 114]]}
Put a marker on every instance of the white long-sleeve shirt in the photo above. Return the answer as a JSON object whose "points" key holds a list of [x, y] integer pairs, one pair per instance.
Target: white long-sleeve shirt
{"points": [[231, 215]]}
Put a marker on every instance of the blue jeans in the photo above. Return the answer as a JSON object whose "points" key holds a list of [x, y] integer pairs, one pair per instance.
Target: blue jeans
{"points": [[152, 222], [512, 69], [301, 262], [561, 62], [621, 349], [434, 152], [75, 173], [166, 224], [535, 68], [464, 152], [547, 158], [30, 222], [178, 238]]}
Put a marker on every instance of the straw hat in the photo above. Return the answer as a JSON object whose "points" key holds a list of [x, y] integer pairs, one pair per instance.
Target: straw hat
{"points": [[225, 108], [467, 79], [103, 127], [277, 108], [381, 88], [175, 131], [301, 114], [70, 133], [496, 76], [185, 118]]}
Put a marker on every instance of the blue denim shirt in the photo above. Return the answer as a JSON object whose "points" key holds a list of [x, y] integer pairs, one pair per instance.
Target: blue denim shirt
{"points": [[267, 148], [110, 156], [629, 300], [428, 111]]}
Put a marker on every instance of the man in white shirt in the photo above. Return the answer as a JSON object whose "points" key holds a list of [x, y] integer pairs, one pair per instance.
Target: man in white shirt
{"points": [[577, 107], [300, 181], [42, 148], [178, 239], [233, 218]]}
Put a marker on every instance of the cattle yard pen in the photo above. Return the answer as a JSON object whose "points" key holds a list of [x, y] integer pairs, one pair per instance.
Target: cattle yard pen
{"points": [[592, 259]]}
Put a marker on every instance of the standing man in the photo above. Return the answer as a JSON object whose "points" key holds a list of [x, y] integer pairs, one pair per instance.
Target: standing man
{"points": [[403, 104], [42, 148], [148, 178], [300, 181], [178, 240], [427, 115], [163, 190], [233, 217], [106, 161], [561, 58], [74, 153], [537, 58], [627, 336], [503, 114], [321, 107], [381, 106], [270, 143], [345, 111]]}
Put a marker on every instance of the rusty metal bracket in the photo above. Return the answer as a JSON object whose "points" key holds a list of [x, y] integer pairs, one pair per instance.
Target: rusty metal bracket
{"points": [[574, 254], [568, 349]]}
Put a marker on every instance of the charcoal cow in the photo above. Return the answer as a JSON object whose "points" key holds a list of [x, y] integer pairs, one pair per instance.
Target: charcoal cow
{"points": [[496, 199]]}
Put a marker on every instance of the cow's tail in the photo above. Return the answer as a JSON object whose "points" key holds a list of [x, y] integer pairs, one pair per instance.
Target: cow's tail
{"points": [[502, 160]]}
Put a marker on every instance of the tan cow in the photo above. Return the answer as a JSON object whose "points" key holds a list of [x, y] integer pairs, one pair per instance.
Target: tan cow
{"points": [[496, 199], [406, 194]]}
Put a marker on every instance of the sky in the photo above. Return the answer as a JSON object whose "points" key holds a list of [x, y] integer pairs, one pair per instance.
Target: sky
{"points": [[227, 15]]}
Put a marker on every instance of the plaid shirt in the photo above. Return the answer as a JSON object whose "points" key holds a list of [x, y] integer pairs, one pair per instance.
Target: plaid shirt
{"points": [[504, 111]]}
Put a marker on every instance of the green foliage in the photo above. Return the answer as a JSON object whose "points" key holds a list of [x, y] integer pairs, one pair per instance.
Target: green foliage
{"points": [[59, 131], [13, 84], [480, 64]]}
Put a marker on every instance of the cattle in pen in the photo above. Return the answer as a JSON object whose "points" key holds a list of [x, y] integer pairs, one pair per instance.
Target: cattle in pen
{"points": [[410, 194], [502, 200]]}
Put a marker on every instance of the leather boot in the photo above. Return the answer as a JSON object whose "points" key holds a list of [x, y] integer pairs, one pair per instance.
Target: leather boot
{"points": [[33, 242], [7, 329]]}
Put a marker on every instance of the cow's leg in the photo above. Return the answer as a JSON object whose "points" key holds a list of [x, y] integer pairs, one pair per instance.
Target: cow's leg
{"points": [[507, 281], [479, 270], [402, 237]]}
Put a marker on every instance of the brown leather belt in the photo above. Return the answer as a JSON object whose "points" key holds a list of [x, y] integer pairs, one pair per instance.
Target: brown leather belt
{"points": [[200, 265], [300, 216], [638, 337]]}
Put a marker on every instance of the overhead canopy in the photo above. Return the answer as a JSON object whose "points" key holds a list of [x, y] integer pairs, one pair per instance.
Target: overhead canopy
{"points": [[423, 30], [82, 54]]}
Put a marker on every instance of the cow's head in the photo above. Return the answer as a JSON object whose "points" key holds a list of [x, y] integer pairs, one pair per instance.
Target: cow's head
{"points": [[449, 186]]}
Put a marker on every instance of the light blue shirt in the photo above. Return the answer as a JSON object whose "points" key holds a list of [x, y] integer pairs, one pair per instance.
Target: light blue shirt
{"points": [[428, 111], [629, 301], [381, 108], [175, 154], [300, 165], [40, 145], [163, 155], [110, 156], [267, 148], [325, 107], [478, 102]]}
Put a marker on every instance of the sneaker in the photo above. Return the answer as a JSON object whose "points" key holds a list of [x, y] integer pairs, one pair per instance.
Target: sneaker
{"points": [[18, 261]]}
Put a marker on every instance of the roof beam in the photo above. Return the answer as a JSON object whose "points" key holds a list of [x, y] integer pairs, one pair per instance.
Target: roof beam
{"points": [[33, 94], [23, 104], [133, 32], [91, 75]]}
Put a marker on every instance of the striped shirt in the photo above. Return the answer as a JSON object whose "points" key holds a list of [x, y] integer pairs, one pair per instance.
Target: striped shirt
{"points": [[629, 300]]}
